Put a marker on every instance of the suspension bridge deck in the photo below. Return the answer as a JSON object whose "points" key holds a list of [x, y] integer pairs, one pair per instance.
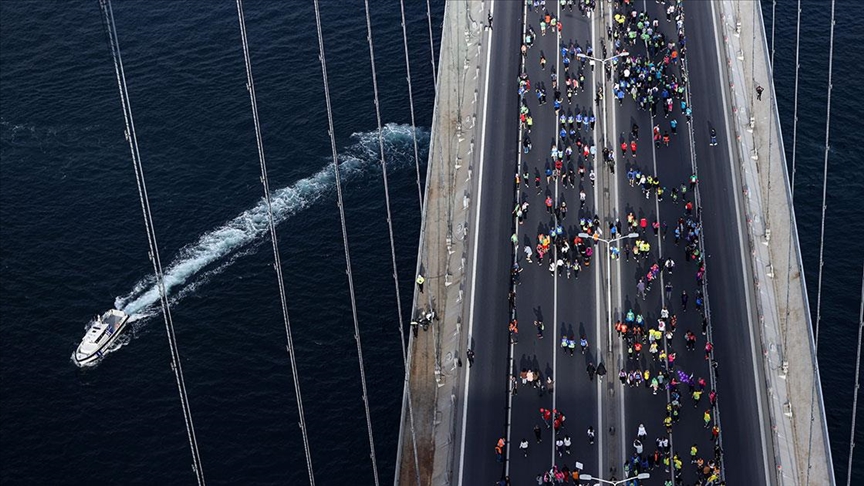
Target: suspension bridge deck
{"points": [[757, 292]]}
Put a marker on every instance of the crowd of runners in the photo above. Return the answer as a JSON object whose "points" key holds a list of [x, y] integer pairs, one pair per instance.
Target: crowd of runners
{"points": [[650, 77], [648, 73]]}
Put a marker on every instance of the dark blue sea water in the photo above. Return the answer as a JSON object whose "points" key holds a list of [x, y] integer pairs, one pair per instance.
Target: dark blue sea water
{"points": [[72, 241]]}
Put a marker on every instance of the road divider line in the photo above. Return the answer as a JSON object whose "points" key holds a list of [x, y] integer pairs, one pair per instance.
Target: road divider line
{"points": [[511, 358], [476, 238], [555, 247]]}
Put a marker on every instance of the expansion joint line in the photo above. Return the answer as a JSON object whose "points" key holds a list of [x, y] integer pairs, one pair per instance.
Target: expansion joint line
{"points": [[132, 138], [822, 236], [277, 263]]}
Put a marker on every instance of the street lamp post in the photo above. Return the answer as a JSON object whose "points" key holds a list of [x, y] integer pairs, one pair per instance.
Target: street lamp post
{"points": [[596, 238], [588, 477], [603, 67]]}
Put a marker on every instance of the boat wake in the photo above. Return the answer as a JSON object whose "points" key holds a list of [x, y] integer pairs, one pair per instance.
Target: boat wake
{"points": [[197, 263]]}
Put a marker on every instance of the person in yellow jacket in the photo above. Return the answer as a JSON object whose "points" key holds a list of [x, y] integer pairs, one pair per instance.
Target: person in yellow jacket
{"points": [[676, 461]]}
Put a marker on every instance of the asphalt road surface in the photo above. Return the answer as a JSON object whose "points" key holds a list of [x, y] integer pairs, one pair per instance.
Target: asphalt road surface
{"points": [[577, 307], [746, 439], [566, 306], [486, 383], [672, 164]]}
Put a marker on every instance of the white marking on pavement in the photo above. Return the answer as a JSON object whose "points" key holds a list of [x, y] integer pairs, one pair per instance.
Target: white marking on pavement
{"points": [[597, 329], [555, 253], [622, 409], [511, 369], [662, 282], [479, 200], [739, 220]]}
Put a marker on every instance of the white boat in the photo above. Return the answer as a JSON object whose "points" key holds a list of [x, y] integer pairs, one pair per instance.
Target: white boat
{"points": [[99, 337]]}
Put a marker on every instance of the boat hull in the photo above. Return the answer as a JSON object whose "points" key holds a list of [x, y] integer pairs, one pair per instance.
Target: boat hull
{"points": [[82, 358]]}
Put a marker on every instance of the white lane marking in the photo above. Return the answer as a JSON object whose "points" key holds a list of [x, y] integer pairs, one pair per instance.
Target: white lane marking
{"points": [[511, 369], [475, 228], [597, 308], [622, 409], [739, 220], [555, 253], [662, 281]]}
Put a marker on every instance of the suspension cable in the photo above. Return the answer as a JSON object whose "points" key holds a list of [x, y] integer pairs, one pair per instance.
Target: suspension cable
{"points": [[792, 175], [132, 138], [825, 177], [432, 46], [345, 235], [857, 384], [411, 104], [384, 177], [773, 24], [771, 100], [250, 87], [822, 230], [753, 58], [420, 199]]}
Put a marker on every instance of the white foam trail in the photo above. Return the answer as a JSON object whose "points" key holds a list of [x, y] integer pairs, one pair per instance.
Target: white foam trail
{"points": [[252, 224]]}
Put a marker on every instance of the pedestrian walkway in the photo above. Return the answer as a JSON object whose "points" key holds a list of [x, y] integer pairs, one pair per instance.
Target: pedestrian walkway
{"points": [[437, 344]]}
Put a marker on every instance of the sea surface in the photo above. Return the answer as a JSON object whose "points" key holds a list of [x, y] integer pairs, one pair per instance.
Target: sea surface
{"points": [[72, 240]]}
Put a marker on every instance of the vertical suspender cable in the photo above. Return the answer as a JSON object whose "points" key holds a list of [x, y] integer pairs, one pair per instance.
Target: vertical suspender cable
{"points": [[792, 175], [825, 178], [420, 199], [383, 172], [822, 230], [432, 46], [771, 100], [857, 385], [132, 138], [751, 91], [773, 25], [411, 104], [250, 86], [345, 237]]}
